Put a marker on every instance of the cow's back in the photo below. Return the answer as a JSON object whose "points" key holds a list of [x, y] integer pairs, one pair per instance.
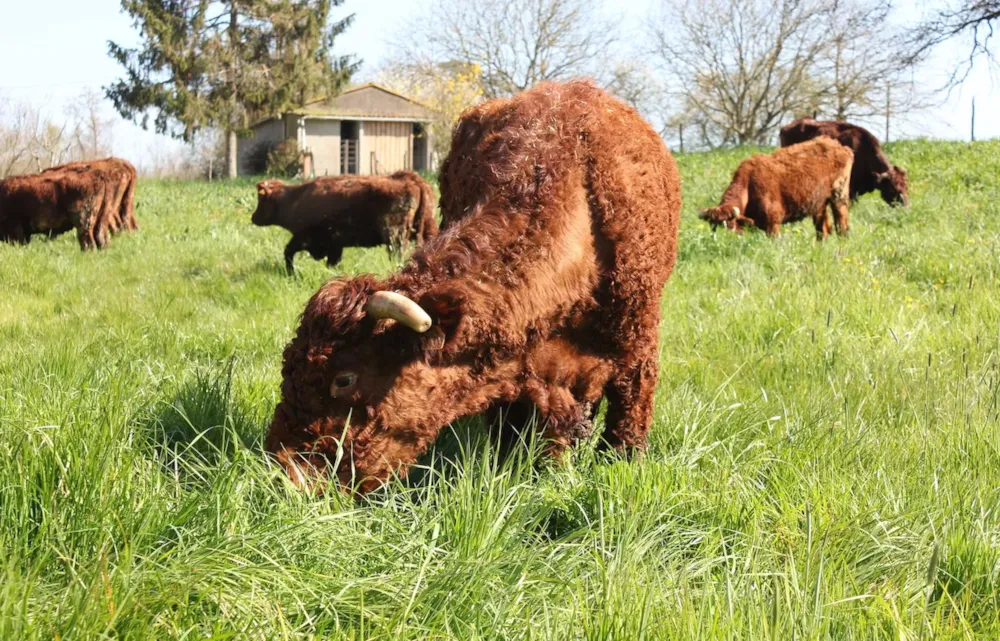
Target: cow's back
{"points": [[869, 159], [568, 171], [518, 152], [801, 175]]}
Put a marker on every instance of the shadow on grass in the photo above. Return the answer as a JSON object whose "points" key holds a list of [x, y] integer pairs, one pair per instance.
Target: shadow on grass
{"points": [[274, 267], [203, 424]]}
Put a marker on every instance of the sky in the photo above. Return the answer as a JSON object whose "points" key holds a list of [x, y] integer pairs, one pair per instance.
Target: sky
{"points": [[53, 50]]}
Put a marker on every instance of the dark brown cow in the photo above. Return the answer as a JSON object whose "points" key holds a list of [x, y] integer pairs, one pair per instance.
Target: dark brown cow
{"points": [[787, 186], [544, 290], [327, 214], [872, 169], [52, 203]]}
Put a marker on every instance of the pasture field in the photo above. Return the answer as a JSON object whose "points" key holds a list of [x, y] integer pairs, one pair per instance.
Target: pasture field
{"points": [[824, 464]]}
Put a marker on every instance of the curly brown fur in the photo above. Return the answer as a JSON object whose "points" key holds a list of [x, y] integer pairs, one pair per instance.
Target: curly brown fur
{"points": [[327, 214], [793, 183], [561, 208], [872, 170]]}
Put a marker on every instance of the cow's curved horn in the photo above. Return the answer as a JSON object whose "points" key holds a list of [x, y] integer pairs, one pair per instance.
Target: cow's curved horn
{"points": [[736, 212], [399, 308]]}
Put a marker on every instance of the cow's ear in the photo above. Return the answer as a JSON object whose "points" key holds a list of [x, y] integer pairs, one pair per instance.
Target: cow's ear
{"points": [[447, 308]]}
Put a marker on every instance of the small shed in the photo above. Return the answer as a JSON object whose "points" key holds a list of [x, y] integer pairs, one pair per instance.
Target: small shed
{"points": [[364, 130]]}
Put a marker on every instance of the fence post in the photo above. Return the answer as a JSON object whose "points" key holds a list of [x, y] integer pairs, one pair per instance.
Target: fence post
{"points": [[973, 132], [680, 129], [887, 110]]}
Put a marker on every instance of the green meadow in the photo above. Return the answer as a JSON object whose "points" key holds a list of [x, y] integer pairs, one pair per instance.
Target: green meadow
{"points": [[824, 462]]}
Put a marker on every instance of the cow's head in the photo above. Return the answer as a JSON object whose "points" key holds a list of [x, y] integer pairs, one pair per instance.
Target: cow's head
{"points": [[369, 380], [267, 206], [894, 186], [729, 217]]}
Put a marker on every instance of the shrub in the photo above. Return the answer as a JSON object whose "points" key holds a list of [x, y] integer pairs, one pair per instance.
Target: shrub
{"points": [[284, 159]]}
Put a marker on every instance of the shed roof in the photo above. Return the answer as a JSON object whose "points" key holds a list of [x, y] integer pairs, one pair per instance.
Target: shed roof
{"points": [[367, 101]]}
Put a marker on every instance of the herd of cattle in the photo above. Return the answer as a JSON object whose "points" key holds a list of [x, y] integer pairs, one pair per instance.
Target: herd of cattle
{"points": [[540, 295], [96, 198], [820, 165]]}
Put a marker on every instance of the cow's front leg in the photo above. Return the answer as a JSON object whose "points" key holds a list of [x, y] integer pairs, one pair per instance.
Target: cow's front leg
{"points": [[19, 236], [295, 245], [508, 424], [630, 394], [564, 419], [334, 254]]}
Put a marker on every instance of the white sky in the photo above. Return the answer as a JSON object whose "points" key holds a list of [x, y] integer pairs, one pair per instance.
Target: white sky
{"points": [[52, 50]]}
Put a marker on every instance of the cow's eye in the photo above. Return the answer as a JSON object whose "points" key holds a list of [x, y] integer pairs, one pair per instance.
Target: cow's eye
{"points": [[343, 383]]}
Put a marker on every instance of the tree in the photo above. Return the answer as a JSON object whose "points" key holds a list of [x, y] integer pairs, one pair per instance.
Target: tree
{"points": [[744, 67], [974, 19], [515, 43], [863, 71], [226, 64], [638, 86], [30, 141], [448, 88], [91, 132], [741, 65], [18, 126]]}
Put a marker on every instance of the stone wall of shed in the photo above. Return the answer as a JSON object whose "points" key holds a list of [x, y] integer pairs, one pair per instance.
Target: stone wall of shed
{"points": [[323, 141], [249, 150]]}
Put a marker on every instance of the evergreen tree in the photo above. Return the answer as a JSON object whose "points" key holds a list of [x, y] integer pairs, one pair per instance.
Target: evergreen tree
{"points": [[226, 64]]}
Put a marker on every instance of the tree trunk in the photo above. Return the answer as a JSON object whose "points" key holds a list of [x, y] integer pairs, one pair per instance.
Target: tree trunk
{"points": [[231, 165]]}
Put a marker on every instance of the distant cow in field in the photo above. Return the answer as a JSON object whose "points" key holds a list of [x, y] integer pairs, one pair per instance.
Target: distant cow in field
{"points": [[542, 292], [327, 214], [120, 180], [53, 203], [872, 169], [787, 186]]}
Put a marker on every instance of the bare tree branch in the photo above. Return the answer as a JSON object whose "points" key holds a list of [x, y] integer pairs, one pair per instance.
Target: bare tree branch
{"points": [[744, 67], [515, 43], [968, 18]]}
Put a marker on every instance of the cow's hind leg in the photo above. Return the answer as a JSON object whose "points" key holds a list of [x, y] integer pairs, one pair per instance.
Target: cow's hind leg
{"points": [[822, 223], [840, 205], [840, 199]]}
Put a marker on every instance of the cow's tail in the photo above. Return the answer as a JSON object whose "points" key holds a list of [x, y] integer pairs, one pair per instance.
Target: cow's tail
{"points": [[425, 224], [127, 207]]}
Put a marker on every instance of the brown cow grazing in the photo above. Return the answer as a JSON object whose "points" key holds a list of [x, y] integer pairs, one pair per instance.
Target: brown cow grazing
{"points": [[53, 203], [872, 169], [327, 214], [787, 186], [562, 207]]}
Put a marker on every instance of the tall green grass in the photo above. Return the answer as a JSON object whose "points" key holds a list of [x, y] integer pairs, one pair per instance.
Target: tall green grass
{"points": [[824, 463]]}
